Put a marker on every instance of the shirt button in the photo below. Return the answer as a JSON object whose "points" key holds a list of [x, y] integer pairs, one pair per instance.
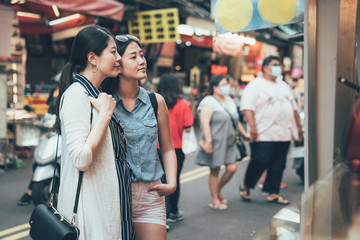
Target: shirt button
{"points": [[134, 130], [135, 147], [138, 166]]}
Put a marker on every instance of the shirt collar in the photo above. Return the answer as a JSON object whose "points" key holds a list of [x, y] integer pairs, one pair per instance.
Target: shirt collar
{"points": [[90, 88], [142, 96]]}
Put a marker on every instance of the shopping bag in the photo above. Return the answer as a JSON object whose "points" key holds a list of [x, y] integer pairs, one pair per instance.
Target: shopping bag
{"points": [[189, 142]]}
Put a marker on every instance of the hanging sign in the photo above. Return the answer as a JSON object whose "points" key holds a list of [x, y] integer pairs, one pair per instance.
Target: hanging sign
{"points": [[246, 15], [155, 26]]}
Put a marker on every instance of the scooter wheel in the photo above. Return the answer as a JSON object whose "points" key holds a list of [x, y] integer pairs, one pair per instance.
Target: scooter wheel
{"points": [[41, 192]]}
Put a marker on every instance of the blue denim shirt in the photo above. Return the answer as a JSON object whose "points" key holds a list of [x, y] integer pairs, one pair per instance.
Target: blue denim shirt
{"points": [[141, 130]]}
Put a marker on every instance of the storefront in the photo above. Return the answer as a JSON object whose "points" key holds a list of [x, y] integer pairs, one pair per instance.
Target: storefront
{"points": [[35, 43]]}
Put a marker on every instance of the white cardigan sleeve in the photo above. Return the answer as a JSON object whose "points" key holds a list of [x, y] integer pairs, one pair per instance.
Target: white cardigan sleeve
{"points": [[75, 124]]}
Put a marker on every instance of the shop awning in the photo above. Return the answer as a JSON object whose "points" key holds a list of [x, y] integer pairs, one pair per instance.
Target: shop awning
{"points": [[105, 8]]}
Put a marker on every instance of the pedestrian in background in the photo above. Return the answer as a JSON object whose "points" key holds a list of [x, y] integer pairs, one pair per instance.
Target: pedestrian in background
{"points": [[272, 118], [27, 197], [219, 124], [235, 94], [181, 119], [143, 130], [91, 145]]}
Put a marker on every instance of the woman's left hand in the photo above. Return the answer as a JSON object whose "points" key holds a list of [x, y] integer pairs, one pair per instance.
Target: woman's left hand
{"points": [[163, 189], [247, 136]]}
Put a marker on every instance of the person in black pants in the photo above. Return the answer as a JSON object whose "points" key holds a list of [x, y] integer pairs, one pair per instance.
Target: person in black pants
{"points": [[180, 118], [271, 114], [173, 214]]}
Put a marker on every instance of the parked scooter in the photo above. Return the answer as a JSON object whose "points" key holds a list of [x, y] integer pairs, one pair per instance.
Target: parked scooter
{"points": [[43, 163]]}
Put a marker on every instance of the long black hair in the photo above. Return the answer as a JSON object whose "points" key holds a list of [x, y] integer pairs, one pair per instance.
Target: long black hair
{"points": [[89, 39], [169, 88], [111, 85]]}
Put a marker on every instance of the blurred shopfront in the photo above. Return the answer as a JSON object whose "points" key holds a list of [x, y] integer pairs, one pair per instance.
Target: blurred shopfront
{"points": [[35, 42], [178, 39]]}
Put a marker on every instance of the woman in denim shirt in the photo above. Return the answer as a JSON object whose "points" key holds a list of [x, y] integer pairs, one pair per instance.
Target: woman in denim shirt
{"points": [[143, 130]]}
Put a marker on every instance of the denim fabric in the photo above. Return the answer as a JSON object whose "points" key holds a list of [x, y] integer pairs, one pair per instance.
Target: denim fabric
{"points": [[141, 130]]}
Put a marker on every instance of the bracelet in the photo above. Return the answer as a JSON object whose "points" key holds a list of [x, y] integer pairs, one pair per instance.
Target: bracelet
{"points": [[208, 140]]}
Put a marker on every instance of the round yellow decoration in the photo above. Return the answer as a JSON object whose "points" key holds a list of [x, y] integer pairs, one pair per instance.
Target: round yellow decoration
{"points": [[234, 15], [277, 11]]}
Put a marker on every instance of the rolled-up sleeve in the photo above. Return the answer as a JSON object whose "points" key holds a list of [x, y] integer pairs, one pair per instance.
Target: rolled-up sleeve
{"points": [[75, 123], [188, 117], [249, 98]]}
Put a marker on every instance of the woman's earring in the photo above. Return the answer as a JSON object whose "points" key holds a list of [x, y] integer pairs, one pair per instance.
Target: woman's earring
{"points": [[92, 68]]}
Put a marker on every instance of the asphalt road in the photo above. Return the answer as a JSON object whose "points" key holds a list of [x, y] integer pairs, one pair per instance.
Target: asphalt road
{"points": [[241, 221]]}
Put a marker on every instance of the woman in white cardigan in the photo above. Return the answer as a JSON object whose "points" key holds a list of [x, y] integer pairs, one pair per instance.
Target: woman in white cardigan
{"points": [[86, 146]]}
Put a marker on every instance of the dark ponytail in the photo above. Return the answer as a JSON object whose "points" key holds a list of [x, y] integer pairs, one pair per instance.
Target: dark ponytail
{"points": [[66, 79], [89, 39]]}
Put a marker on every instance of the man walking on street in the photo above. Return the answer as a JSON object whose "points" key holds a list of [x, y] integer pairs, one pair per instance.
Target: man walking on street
{"points": [[271, 115]]}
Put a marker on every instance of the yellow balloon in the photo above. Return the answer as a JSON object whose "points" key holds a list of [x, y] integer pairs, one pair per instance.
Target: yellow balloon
{"points": [[234, 15], [277, 11]]}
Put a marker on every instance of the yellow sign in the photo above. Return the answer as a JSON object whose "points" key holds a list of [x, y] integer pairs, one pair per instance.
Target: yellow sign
{"points": [[38, 103], [246, 15], [155, 26]]}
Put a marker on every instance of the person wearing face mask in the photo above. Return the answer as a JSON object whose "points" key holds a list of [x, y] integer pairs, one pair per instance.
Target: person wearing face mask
{"points": [[272, 119], [219, 124]]}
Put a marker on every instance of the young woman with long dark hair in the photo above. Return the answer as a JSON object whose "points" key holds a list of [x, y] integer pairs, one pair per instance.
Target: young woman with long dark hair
{"points": [[181, 119], [93, 141], [143, 130]]}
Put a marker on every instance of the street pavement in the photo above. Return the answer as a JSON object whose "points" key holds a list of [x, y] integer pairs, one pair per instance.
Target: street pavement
{"points": [[241, 221]]}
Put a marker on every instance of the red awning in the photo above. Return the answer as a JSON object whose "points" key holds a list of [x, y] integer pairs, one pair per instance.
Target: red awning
{"points": [[104, 8]]}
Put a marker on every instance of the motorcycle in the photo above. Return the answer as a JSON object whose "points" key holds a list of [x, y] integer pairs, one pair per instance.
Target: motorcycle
{"points": [[43, 162]]}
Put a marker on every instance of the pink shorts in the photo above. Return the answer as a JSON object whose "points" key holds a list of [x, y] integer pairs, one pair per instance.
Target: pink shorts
{"points": [[147, 207]]}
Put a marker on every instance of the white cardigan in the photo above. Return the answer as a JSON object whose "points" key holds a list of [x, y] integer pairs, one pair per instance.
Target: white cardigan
{"points": [[99, 203]]}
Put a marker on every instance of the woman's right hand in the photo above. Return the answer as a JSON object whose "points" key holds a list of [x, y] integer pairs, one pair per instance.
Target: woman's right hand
{"points": [[206, 146], [253, 134], [104, 104]]}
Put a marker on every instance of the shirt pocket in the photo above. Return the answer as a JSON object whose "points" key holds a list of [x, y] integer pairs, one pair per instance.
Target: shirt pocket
{"points": [[130, 134], [150, 129]]}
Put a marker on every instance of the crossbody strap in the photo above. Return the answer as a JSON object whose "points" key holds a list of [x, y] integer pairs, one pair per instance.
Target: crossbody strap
{"points": [[232, 120], [81, 173]]}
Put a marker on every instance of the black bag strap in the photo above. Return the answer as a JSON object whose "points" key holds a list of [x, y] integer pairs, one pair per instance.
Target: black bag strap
{"points": [[154, 102], [232, 120], [81, 173]]}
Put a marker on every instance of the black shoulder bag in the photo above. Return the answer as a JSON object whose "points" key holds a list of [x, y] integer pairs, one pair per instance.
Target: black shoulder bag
{"points": [[239, 143], [47, 223]]}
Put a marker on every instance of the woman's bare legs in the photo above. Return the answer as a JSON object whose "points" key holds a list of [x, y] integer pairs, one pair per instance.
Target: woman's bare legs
{"points": [[149, 231], [214, 185], [229, 172]]}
